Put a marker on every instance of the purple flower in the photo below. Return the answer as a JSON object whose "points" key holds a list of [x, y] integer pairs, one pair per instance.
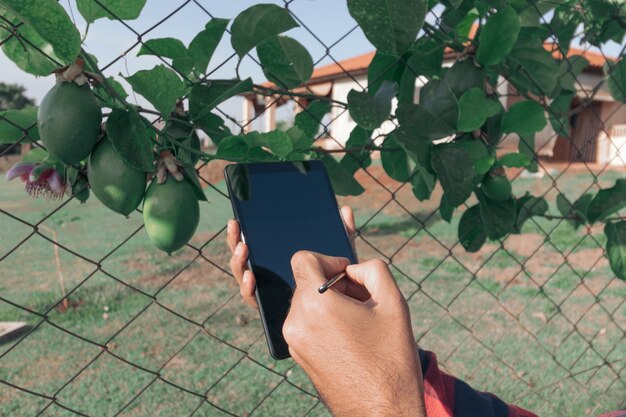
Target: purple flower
{"points": [[41, 179]]}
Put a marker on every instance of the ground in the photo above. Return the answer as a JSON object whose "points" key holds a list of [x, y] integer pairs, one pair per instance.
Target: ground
{"points": [[534, 319]]}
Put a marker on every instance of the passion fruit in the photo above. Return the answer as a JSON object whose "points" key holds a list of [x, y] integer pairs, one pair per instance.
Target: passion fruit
{"points": [[497, 187], [171, 213], [115, 183], [69, 121]]}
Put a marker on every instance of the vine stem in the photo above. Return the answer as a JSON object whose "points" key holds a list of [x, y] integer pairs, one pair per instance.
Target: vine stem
{"points": [[274, 91]]}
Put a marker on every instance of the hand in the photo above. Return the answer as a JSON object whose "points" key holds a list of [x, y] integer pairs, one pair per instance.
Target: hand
{"points": [[239, 258], [355, 341]]}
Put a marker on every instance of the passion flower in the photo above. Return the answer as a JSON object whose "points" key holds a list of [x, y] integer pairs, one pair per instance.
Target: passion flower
{"points": [[41, 179]]}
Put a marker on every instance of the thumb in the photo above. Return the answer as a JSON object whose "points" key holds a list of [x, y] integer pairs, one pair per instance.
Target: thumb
{"points": [[375, 276], [311, 266]]}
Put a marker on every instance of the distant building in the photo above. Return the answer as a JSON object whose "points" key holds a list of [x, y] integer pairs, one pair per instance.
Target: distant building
{"points": [[601, 125]]}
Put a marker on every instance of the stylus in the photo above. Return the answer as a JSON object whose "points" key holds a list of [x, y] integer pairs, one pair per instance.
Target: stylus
{"points": [[331, 282]]}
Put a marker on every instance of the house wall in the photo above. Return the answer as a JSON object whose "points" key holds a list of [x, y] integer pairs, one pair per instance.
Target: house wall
{"points": [[342, 123]]}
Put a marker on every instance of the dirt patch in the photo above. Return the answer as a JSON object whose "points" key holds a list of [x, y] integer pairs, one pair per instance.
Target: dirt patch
{"points": [[524, 245]]}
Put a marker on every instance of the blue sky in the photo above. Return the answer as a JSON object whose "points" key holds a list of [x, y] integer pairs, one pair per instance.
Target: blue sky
{"points": [[328, 20]]}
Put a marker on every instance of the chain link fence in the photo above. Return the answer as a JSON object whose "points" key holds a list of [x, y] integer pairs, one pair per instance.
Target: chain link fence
{"points": [[116, 327]]}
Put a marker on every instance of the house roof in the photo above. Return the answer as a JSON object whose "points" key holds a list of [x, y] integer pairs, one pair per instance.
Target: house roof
{"points": [[359, 64]]}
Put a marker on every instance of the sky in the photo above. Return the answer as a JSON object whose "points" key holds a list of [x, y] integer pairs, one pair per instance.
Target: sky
{"points": [[325, 24], [328, 20]]}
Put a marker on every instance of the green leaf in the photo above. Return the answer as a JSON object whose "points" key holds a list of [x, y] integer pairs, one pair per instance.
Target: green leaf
{"points": [[390, 25], [233, 148], [471, 232], [107, 100], [278, 142], [423, 183], [445, 209], [15, 123], [616, 247], [438, 99], [119, 9], [160, 86], [425, 59], [578, 210], [532, 68], [607, 201], [569, 70], [257, 23], [342, 180], [163, 47], [498, 36], [527, 207], [395, 161], [128, 134], [419, 124], [498, 217], [616, 79], [524, 118], [370, 111], [204, 44], [526, 146], [455, 169], [383, 68], [51, 22], [299, 141], [26, 55], [205, 97], [474, 109], [462, 76], [353, 161], [194, 182], [309, 119], [559, 117], [214, 126], [483, 164], [285, 61], [514, 160]]}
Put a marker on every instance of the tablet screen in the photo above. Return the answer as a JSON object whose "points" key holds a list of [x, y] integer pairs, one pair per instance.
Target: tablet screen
{"points": [[283, 208]]}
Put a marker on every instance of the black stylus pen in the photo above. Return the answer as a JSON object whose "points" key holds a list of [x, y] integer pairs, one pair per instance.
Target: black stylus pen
{"points": [[331, 282]]}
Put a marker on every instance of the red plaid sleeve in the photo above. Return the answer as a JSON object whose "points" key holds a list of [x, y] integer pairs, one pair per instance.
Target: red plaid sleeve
{"points": [[446, 396]]}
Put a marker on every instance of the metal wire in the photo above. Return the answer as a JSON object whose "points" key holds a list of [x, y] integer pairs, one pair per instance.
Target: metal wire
{"points": [[576, 378]]}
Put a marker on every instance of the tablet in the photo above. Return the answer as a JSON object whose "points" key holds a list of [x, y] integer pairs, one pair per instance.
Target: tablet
{"points": [[282, 208]]}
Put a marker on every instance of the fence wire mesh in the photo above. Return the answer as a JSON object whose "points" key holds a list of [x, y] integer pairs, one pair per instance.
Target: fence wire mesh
{"points": [[116, 327]]}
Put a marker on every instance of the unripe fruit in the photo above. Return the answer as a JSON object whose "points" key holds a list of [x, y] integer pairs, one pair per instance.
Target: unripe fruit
{"points": [[171, 213], [69, 119], [113, 181], [497, 188]]}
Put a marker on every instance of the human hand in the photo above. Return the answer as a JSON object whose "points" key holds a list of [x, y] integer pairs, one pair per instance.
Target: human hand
{"points": [[355, 341], [239, 255]]}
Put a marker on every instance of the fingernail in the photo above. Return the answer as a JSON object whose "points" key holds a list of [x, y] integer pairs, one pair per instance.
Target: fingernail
{"points": [[246, 277], [239, 249], [229, 227]]}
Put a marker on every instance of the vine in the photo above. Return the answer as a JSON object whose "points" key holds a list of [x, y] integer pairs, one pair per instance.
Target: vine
{"points": [[450, 137]]}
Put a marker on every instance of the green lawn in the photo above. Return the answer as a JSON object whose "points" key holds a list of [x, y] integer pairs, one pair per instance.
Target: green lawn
{"points": [[533, 319]]}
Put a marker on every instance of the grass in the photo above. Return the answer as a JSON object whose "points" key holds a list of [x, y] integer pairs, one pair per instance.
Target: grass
{"points": [[513, 318]]}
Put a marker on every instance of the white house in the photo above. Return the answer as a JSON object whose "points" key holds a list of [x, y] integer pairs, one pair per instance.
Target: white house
{"points": [[603, 122]]}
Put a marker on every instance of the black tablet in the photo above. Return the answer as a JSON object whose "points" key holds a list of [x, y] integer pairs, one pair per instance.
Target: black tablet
{"points": [[282, 208]]}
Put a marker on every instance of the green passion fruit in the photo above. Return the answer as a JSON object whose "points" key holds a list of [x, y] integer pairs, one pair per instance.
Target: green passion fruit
{"points": [[497, 187], [69, 121], [171, 213], [118, 186]]}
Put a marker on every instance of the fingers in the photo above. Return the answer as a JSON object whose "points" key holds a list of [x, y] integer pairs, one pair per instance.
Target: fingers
{"points": [[247, 288], [232, 234], [310, 267], [348, 218], [239, 261], [375, 276]]}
